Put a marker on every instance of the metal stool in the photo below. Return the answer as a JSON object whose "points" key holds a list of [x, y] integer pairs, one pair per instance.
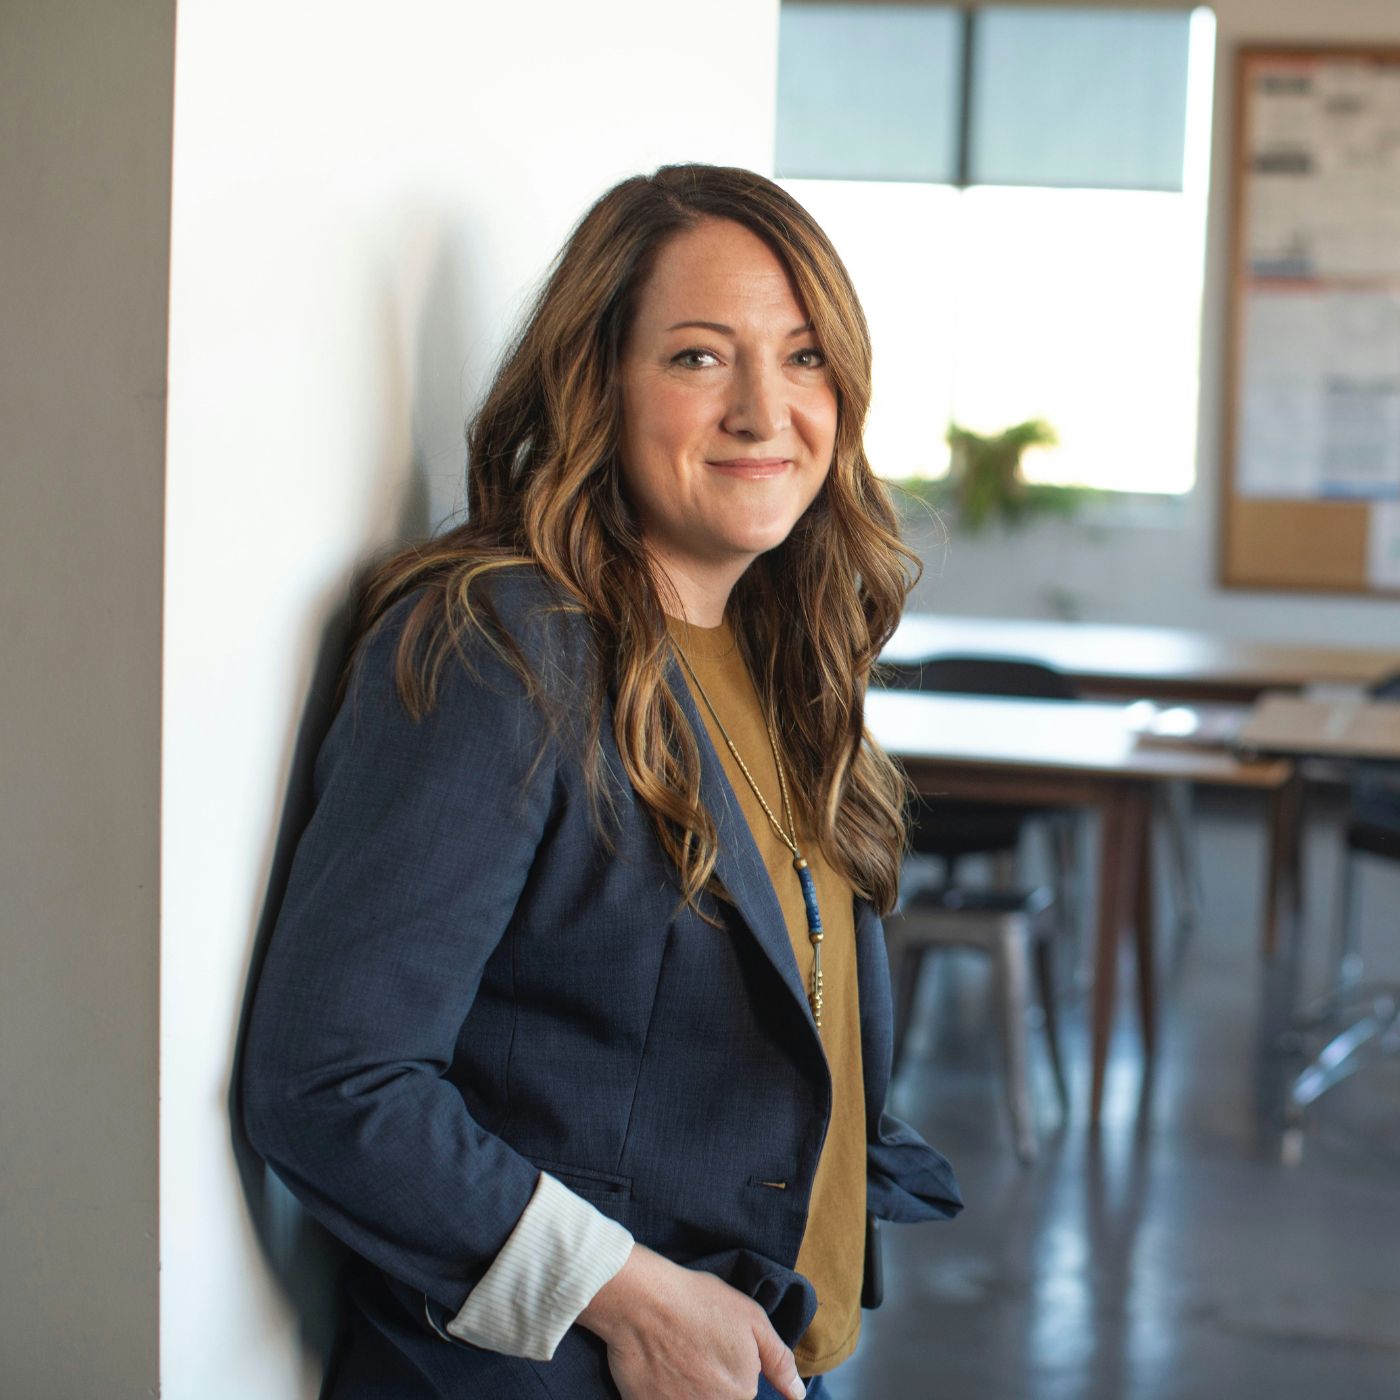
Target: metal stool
{"points": [[1011, 925]]}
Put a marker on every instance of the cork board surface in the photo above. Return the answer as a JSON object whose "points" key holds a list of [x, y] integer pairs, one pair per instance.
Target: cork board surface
{"points": [[1314, 545]]}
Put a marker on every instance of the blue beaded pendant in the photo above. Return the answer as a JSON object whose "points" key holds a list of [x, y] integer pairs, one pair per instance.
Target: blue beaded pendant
{"points": [[814, 932], [809, 897]]}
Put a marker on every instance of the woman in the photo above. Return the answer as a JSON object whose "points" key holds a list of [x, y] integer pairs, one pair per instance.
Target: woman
{"points": [[575, 1023]]}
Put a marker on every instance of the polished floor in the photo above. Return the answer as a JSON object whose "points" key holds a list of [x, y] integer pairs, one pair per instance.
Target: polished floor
{"points": [[1194, 1251]]}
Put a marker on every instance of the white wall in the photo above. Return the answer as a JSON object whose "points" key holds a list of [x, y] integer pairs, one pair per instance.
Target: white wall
{"points": [[1165, 571], [362, 195], [85, 92]]}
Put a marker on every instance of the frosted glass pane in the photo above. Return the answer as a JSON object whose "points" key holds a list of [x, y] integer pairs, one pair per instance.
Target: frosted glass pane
{"points": [[1078, 97], [868, 92]]}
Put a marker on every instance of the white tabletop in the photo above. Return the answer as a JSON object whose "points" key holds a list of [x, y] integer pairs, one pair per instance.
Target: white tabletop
{"points": [[1085, 737], [1147, 655]]}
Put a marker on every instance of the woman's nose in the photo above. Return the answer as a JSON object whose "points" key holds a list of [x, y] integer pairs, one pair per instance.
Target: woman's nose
{"points": [[758, 407]]}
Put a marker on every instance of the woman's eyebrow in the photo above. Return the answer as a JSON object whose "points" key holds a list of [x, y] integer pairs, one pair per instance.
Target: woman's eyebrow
{"points": [[729, 330]]}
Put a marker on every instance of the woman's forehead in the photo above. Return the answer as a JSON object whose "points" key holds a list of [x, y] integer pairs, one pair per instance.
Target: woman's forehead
{"points": [[722, 274]]}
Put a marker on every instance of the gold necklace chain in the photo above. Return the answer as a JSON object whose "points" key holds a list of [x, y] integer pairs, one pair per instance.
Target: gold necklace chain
{"points": [[799, 864], [789, 841]]}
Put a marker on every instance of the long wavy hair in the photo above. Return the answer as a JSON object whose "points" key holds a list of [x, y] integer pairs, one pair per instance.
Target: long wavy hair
{"points": [[544, 491]]}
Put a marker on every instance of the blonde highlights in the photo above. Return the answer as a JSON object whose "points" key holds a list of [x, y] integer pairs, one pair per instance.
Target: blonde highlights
{"points": [[544, 491]]}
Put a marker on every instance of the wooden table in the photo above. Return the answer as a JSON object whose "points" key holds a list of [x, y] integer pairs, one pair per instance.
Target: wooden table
{"points": [[1166, 662], [1054, 753], [1299, 727]]}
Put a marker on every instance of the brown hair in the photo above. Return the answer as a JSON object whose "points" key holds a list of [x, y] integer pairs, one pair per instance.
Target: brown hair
{"points": [[544, 489]]}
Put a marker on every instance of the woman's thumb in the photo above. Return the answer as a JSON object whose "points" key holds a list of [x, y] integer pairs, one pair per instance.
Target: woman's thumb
{"points": [[775, 1358]]}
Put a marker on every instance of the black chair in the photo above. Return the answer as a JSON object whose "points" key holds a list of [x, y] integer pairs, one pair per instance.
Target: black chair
{"points": [[1372, 830], [948, 829]]}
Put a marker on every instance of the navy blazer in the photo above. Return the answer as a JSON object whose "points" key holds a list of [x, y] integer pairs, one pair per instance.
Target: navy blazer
{"points": [[464, 986]]}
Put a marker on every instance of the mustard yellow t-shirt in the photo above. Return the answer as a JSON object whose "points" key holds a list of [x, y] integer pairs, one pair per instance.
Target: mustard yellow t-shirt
{"points": [[832, 1254]]}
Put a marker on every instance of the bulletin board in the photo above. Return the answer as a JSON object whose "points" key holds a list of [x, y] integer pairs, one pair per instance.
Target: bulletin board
{"points": [[1311, 459]]}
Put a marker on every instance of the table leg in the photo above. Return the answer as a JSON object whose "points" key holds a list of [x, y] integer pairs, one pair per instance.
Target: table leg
{"points": [[1115, 844], [1144, 925], [1283, 889]]}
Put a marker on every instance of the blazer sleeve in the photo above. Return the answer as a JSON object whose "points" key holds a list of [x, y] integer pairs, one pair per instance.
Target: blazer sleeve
{"points": [[421, 838], [906, 1178]]}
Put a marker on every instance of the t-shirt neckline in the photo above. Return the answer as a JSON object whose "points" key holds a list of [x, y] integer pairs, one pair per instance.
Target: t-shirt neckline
{"points": [[703, 643]]}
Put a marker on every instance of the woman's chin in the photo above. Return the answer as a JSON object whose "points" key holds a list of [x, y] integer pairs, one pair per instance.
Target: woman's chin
{"points": [[760, 540]]}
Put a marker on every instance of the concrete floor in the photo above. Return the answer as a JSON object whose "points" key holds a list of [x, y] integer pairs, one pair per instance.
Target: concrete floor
{"points": [[1194, 1251]]}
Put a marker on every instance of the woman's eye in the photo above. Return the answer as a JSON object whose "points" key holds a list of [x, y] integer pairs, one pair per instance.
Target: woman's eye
{"points": [[694, 358], [811, 358]]}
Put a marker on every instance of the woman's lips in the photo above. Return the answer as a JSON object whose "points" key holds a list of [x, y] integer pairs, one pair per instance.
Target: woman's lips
{"points": [[753, 468]]}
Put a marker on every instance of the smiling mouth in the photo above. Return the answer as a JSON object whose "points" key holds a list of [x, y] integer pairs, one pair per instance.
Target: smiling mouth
{"points": [[753, 468]]}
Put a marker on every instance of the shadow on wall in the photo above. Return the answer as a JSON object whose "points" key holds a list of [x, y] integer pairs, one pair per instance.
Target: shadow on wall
{"points": [[302, 1255]]}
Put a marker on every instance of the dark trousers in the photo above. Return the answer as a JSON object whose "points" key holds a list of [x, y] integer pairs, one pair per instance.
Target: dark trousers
{"points": [[816, 1389]]}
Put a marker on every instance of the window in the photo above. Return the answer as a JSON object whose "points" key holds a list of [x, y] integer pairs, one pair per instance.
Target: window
{"points": [[1031, 242], [868, 92]]}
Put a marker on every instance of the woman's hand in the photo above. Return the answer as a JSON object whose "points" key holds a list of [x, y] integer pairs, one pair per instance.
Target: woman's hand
{"points": [[683, 1334]]}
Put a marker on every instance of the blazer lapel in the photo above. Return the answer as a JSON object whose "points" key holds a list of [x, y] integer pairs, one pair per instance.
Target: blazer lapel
{"points": [[740, 867]]}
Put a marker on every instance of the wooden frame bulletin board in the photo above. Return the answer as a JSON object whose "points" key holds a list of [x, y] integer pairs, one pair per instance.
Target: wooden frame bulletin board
{"points": [[1311, 461]]}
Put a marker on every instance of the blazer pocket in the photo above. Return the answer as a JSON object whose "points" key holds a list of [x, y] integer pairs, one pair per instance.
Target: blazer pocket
{"points": [[591, 1184]]}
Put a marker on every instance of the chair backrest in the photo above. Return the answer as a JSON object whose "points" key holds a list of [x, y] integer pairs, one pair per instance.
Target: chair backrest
{"points": [[951, 829], [1386, 689], [1375, 789], [987, 675]]}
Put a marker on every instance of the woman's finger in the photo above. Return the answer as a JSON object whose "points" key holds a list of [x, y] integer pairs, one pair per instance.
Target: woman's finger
{"points": [[779, 1365]]}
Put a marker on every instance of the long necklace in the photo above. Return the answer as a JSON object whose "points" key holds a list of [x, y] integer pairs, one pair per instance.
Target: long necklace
{"points": [[804, 874]]}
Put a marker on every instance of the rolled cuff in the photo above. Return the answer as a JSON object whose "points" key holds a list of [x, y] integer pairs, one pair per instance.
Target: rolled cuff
{"points": [[562, 1251]]}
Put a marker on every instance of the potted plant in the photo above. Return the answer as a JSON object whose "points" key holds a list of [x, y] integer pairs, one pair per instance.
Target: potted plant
{"points": [[985, 485]]}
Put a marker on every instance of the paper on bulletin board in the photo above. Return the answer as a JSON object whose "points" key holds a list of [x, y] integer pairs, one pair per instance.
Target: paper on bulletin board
{"points": [[1357, 226], [1324, 161], [1283, 170], [1280, 418], [1320, 398], [1383, 545], [1361, 395]]}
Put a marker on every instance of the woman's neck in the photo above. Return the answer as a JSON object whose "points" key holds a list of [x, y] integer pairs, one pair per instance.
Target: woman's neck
{"points": [[697, 595]]}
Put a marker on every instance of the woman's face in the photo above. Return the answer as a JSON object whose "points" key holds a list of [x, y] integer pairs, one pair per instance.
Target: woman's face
{"points": [[728, 410]]}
